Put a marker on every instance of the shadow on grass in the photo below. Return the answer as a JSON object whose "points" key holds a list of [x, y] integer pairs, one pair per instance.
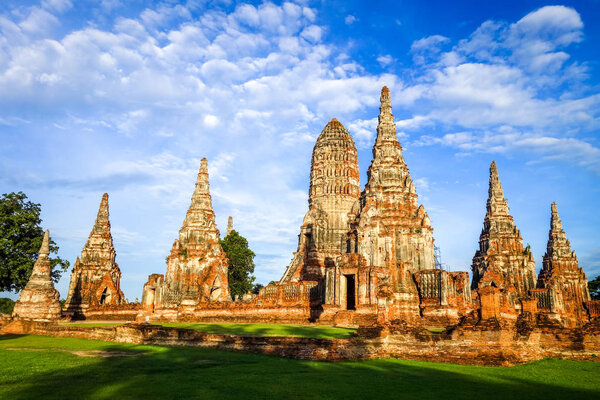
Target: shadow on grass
{"points": [[190, 372]]}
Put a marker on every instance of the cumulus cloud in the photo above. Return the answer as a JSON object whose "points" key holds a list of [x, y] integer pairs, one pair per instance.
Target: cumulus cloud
{"points": [[508, 75]]}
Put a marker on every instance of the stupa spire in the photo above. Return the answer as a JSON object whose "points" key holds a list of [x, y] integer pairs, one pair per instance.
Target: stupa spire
{"points": [[45, 247], [200, 213], [496, 204], [229, 225], [386, 128], [41, 268]]}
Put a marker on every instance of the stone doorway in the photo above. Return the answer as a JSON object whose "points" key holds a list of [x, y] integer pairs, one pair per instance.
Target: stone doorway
{"points": [[105, 297], [350, 292]]}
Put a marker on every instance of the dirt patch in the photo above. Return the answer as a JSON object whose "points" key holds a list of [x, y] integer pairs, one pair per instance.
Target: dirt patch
{"points": [[84, 353]]}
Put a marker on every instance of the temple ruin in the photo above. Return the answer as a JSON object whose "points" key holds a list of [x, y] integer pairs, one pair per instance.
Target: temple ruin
{"points": [[365, 258], [39, 300], [96, 277], [197, 266]]}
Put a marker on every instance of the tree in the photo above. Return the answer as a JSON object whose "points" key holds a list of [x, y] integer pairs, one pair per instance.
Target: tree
{"points": [[6, 305], [594, 287], [20, 240], [241, 263], [256, 288]]}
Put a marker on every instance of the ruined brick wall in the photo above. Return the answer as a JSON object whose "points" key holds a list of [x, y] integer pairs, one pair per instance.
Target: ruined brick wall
{"points": [[444, 296]]}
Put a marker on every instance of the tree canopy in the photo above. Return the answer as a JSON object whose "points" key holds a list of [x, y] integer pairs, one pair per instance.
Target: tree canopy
{"points": [[20, 240], [594, 287], [241, 263]]}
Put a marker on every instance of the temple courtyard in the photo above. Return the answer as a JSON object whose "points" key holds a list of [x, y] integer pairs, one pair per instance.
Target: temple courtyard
{"points": [[55, 368]]}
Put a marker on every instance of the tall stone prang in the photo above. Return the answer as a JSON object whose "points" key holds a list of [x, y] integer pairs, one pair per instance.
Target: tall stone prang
{"points": [[39, 300], [96, 277], [333, 194], [197, 266], [391, 226], [561, 274], [388, 239], [501, 261]]}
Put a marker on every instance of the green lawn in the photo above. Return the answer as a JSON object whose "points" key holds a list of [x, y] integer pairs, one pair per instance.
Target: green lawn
{"points": [[310, 331], [36, 367]]}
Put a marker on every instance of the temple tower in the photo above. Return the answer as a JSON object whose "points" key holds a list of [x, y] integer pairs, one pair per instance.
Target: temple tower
{"points": [[502, 261], [197, 266], [561, 274], [333, 192], [391, 226], [96, 277], [39, 300]]}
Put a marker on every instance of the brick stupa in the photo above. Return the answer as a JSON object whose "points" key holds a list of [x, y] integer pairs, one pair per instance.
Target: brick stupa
{"points": [[197, 266], [562, 275], [502, 262], [39, 300], [96, 277]]}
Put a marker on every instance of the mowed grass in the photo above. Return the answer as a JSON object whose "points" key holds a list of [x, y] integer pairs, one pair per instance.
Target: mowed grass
{"points": [[308, 331], [36, 367]]}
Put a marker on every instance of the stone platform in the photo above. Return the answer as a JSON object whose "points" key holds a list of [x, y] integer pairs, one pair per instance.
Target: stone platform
{"points": [[487, 344]]}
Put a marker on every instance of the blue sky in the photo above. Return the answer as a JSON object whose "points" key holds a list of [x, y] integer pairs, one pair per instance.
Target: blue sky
{"points": [[126, 97]]}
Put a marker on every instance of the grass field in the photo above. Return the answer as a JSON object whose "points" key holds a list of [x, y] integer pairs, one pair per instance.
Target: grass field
{"points": [[36, 367], [310, 331]]}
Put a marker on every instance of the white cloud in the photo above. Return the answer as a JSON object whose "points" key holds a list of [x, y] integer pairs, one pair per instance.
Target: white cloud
{"points": [[350, 19], [211, 120], [385, 60], [59, 6]]}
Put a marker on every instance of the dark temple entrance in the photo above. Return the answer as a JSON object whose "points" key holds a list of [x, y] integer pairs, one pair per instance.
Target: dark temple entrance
{"points": [[350, 293]]}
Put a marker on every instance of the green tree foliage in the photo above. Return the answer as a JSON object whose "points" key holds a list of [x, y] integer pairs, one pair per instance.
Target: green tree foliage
{"points": [[241, 263], [6, 305], [256, 288], [594, 287], [20, 240]]}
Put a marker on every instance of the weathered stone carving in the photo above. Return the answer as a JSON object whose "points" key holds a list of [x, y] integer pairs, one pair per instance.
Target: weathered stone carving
{"points": [[502, 262], [39, 300], [566, 283], [96, 277]]}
